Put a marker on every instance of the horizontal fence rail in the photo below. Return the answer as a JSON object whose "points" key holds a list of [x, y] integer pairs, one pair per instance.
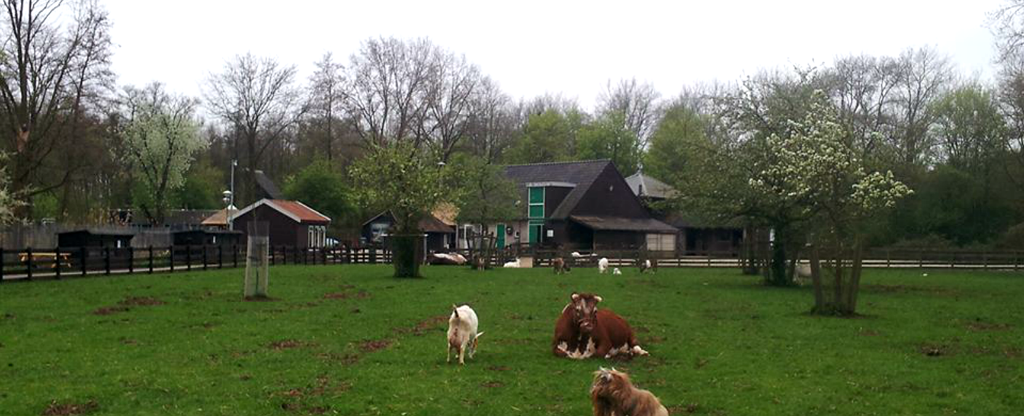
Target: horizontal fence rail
{"points": [[61, 262]]}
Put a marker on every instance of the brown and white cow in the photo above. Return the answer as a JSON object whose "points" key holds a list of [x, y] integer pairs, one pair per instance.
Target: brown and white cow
{"points": [[584, 331]]}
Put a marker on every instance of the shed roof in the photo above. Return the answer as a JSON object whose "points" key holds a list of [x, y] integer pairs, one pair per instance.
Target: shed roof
{"points": [[295, 210]]}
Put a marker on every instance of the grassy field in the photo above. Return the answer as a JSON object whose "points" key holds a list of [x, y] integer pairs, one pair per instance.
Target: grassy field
{"points": [[350, 340]]}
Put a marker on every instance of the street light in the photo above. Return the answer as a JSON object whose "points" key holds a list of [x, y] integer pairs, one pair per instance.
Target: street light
{"points": [[229, 197]]}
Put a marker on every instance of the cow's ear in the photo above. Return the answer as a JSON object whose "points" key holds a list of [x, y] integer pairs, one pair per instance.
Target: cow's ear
{"points": [[575, 296], [597, 298]]}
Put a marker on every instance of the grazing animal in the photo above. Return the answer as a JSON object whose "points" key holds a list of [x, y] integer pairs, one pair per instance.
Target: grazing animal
{"points": [[647, 265], [561, 266], [583, 331], [612, 394], [513, 264], [616, 271], [462, 335], [602, 265], [576, 255], [446, 258]]}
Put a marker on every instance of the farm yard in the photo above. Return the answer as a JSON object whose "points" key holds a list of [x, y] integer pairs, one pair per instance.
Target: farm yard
{"points": [[351, 340]]}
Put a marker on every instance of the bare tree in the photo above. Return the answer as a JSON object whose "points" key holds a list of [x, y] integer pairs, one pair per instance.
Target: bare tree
{"points": [[1007, 25], [638, 103], [326, 98], [450, 100], [257, 99], [493, 122], [44, 72], [390, 89], [863, 89], [923, 75]]}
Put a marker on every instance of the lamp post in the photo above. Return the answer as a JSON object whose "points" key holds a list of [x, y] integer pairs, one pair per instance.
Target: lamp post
{"points": [[229, 197]]}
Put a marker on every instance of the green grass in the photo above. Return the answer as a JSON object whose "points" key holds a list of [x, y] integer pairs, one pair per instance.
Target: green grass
{"points": [[719, 342]]}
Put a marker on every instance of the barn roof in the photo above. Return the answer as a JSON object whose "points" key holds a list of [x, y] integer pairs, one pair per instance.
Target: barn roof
{"points": [[429, 224], [577, 175], [645, 186], [624, 224], [295, 210]]}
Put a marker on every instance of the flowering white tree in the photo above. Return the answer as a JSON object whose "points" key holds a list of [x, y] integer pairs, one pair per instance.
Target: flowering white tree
{"points": [[817, 168], [159, 140]]}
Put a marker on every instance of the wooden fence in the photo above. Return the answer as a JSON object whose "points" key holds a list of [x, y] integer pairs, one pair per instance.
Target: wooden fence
{"points": [[60, 262], [874, 258], [63, 262]]}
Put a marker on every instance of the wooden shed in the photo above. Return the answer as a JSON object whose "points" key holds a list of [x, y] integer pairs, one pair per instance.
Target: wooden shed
{"points": [[207, 237], [291, 223], [91, 237]]}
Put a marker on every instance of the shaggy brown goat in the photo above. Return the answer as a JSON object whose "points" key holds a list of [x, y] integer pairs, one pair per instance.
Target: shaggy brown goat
{"points": [[613, 395]]}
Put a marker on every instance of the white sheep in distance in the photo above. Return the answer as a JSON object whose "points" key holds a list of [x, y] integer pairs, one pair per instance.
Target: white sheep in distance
{"points": [[513, 264]]}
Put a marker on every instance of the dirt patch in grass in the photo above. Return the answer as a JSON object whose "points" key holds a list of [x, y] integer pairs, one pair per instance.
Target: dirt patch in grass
{"points": [[423, 326], [345, 359], [981, 326], [109, 310], [497, 368], [655, 340], [362, 294], [141, 301], [374, 345], [492, 384], [66, 409], [934, 350], [289, 344]]}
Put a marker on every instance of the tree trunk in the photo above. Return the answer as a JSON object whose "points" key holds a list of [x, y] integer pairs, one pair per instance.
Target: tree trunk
{"points": [[853, 287], [819, 293], [777, 275], [403, 255]]}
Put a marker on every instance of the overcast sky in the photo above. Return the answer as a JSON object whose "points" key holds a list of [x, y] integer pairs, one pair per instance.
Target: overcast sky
{"points": [[534, 47]]}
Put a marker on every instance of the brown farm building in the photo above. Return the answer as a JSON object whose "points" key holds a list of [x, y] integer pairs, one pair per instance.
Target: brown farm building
{"points": [[581, 206], [290, 223]]}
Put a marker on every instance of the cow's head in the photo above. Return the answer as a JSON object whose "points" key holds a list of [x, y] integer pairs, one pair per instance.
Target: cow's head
{"points": [[585, 310]]}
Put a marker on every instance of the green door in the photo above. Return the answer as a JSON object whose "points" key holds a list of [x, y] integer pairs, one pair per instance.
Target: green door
{"points": [[536, 228], [500, 243]]}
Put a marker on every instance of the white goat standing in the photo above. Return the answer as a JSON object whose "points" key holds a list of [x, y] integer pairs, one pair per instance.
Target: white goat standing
{"points": [[602, 265], [462, 335]]}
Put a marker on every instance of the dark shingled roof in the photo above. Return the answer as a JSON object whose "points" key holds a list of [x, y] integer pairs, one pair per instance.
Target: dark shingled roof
{"points": [[582, 174], [624, 224]]}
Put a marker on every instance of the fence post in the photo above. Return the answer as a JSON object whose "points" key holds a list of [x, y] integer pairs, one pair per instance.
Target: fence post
{"points": [[106, 260], [984, 260], [204, 256], [150, 259], [888, 259], [295, 254], [28, 262], [131, 259], [56, 260], [220, 257], [373, 255], [323, 252], [273, 256], [234, 254], [85, 258], [920, 258], [305, 256], [1, 264], [188, 257], [171, 248], [952, 262]]}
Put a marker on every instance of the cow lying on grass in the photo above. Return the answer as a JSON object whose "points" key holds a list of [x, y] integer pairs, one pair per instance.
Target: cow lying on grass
{"points": [[584, 331]]}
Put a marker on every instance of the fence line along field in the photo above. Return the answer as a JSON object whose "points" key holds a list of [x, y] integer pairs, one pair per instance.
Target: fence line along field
{"points": [[349, 340]]}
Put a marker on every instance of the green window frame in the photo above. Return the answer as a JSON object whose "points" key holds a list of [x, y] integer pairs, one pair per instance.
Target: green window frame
{"points": [[536, 208]]}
